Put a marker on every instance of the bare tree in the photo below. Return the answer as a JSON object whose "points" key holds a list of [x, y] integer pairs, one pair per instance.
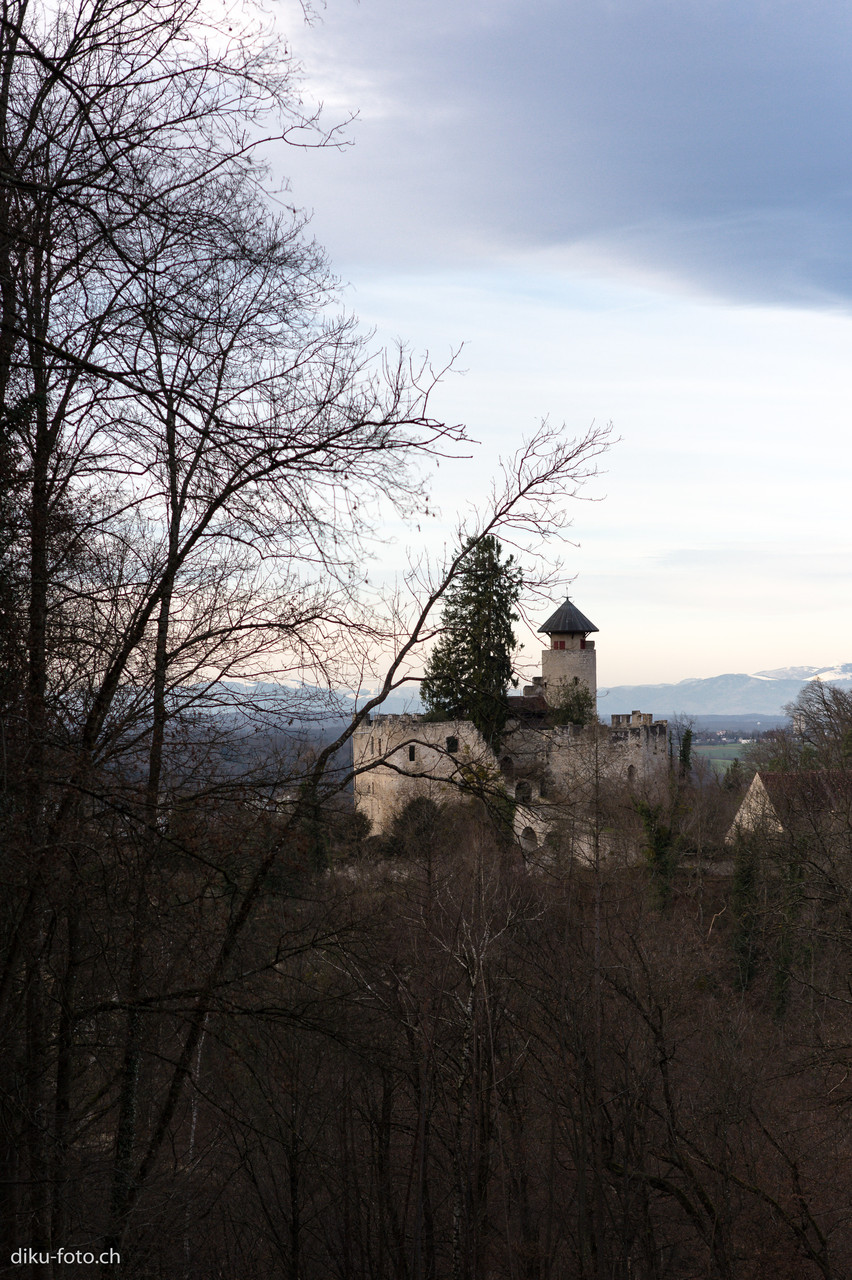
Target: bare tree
{"points": [[189, 436], [196, 448], [822, 720]]}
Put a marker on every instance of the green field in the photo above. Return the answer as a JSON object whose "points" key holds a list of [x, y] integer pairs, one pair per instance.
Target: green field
{"points": [[721, 757]]}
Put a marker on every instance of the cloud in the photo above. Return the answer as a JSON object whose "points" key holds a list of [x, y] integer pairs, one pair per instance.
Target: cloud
{"points": [[706, 140]]}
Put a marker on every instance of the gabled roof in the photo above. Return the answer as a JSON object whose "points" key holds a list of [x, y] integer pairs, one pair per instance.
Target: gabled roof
{"points": [[806, 790], [794, 801], [567, 620]]}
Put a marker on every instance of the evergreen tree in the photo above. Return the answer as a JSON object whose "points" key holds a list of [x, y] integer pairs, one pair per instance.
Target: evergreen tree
{"points": [[470, 668], [685, 753]]}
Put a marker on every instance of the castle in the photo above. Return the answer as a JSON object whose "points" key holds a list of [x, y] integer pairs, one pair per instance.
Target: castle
{"points": [[547, 769]]}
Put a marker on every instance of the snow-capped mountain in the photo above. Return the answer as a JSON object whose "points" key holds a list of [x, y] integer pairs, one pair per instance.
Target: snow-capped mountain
{"points": [[760, 693], [763, 693], [838, 674]]}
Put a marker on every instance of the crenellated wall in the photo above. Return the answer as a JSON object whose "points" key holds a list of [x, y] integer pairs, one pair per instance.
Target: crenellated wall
{"points": [[544, 769]]}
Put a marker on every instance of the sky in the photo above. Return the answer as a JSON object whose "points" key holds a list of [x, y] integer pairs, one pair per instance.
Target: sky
{"points": [[626, 211]]}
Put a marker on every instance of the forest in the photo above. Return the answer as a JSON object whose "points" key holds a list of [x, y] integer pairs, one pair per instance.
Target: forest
{"points": [[242, 1035]]}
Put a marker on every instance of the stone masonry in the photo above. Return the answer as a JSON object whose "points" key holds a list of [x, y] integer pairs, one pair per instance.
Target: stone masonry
{"points": [[545, 769]]}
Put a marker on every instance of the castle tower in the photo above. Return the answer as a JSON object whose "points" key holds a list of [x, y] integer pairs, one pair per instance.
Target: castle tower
{"points": [[570, 654]]}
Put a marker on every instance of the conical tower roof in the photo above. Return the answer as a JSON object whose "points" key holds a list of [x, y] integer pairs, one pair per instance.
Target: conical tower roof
{"points": [[568, 620]]}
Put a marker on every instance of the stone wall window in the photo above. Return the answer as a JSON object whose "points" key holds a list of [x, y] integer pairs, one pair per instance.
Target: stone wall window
{"points": [[529, 840], [452, 745], [412, 752]]}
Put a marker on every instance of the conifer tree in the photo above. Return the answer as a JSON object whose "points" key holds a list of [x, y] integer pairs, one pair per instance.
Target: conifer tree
{"points": [[470, 669]]}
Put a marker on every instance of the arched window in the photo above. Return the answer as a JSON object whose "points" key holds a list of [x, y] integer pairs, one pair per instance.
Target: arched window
{"points": [[507, 768], [523, 792], [528, 840]]}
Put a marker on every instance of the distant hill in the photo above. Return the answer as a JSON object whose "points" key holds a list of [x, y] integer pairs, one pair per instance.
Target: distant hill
{"points": [[297, 706], [764, 693]]}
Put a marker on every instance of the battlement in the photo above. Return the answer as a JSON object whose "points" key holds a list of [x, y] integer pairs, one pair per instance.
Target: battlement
{"points": [[635, 717]]}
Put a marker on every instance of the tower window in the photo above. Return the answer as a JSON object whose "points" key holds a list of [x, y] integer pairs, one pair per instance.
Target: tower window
{"points": [[412, 752], [452, 745]]}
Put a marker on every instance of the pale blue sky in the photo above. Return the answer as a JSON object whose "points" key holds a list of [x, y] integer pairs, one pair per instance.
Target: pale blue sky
{"points": [[628, 210]]}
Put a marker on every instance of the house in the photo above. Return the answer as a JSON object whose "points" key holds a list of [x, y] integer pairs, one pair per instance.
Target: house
{"points": [[800, 804]]}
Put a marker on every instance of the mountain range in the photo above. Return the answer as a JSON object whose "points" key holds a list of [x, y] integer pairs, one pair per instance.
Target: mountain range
{"points": [[763, 693]]}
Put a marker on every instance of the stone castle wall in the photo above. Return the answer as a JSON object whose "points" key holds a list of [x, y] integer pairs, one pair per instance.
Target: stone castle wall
{"points": [[545, 770], [403, 756]]}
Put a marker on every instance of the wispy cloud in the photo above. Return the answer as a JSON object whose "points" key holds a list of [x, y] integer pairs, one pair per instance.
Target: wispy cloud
{"points": [[710, 141]]}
